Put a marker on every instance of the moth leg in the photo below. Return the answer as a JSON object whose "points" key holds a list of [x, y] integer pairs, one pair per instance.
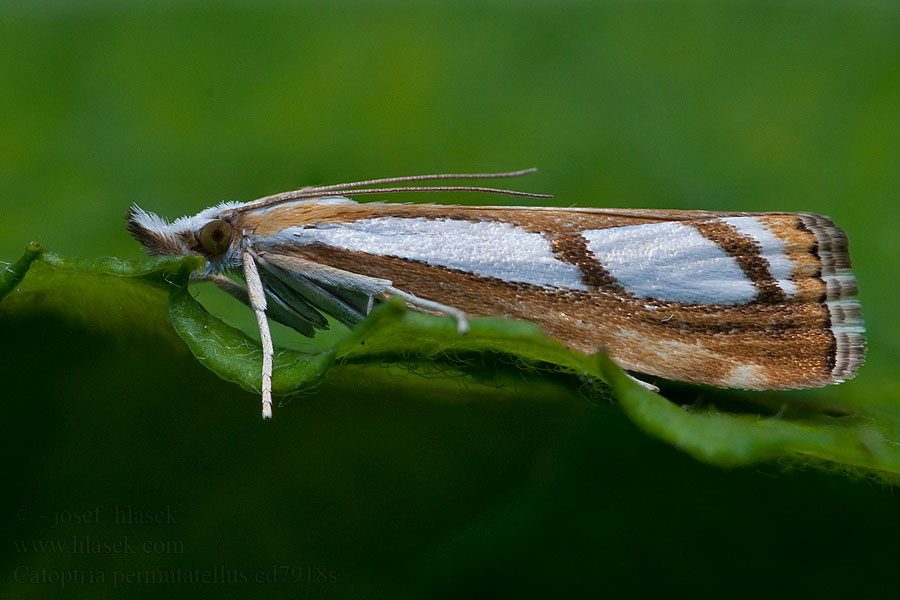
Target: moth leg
{"points": [[462, 324], [643, 384], [228, 286], [257, 295], [364, 284]]}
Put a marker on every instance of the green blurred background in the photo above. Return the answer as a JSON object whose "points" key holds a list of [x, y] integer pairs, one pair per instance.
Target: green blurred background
{"points": [[413, 485]]}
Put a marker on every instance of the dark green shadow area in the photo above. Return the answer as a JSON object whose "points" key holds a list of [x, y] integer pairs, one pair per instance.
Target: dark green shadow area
{"points": [[393, 335]]}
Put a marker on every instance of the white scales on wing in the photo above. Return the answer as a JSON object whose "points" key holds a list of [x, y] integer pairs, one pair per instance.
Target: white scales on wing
{"points": [[670, 261], [486, 248]]}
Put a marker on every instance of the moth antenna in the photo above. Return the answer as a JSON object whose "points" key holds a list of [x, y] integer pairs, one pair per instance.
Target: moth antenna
{"points": [[405, 178], [316, 193]]}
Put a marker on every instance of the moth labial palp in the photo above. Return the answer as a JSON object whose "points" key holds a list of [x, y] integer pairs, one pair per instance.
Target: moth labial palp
{"points": [[729, 299]]}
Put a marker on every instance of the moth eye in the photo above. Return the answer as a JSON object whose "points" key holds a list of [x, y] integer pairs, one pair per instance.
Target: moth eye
{"points": [[215, 237]]}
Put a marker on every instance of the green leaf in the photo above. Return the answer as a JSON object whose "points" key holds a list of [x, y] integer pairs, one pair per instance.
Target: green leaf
{"points": [[108, 293], [105, 295], [13, 274], [232, 355], [737, 439]]}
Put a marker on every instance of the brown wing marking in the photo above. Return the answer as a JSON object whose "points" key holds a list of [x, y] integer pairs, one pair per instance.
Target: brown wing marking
{"points": [[747, 254]]}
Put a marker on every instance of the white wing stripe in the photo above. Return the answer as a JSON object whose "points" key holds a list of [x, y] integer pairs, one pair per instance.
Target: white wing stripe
{"points": [[486, 248], [670, 261]]}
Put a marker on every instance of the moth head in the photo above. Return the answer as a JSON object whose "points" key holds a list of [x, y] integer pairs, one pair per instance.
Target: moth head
{"points": [[209, 233]]}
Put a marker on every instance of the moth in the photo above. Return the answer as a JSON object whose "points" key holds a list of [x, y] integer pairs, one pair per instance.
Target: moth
{"points": [[730, 299]]}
